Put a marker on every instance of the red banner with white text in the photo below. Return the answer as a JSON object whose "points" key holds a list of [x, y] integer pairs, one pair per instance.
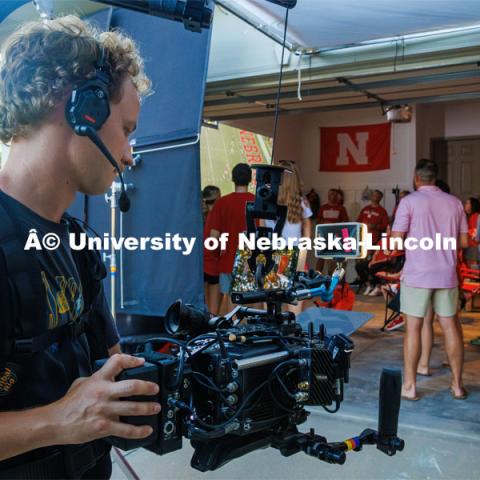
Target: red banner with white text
{"points": [[362, 148]]}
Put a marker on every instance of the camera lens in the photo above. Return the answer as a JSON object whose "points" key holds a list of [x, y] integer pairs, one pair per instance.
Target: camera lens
{"points": [[172, 318], [264, 192], [187, 319]]}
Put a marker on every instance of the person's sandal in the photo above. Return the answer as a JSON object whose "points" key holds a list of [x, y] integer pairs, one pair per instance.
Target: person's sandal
{"points": [[459, 397]]}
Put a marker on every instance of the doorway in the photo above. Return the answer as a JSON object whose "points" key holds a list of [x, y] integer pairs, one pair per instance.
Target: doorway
{"points": [[458, 162]]}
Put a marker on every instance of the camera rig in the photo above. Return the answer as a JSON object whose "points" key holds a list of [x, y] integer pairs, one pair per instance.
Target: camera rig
{"points": [[235, 383]]}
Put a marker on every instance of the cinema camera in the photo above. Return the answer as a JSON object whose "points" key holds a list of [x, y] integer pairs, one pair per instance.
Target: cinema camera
{"points": [[233, 386]]}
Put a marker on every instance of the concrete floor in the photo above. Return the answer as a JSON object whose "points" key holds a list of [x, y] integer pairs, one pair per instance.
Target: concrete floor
{"points": [[442, 435]]}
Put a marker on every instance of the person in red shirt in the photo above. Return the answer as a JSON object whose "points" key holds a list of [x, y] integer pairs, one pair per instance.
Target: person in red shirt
{"points": [[470, 254], [228, 216], [210, 194], [331, 212], [374, 216], [376, 219]]}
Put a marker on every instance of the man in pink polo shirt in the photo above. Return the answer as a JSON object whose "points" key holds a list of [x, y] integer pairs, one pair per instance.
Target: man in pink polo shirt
{"points": [[430, 276]]}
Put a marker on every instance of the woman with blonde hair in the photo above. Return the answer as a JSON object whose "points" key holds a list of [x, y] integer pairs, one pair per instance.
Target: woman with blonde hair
{"points": [[298, 223]]}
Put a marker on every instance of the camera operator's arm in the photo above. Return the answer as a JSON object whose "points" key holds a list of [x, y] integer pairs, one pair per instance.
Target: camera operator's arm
{"points": [[89, 410]]}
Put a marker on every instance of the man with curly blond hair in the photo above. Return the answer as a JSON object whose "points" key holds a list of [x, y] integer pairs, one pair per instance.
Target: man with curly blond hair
{"points": [[52, 409]]}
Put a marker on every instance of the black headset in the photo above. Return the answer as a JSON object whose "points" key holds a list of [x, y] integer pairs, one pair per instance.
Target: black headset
{"points": [[87, 111]]}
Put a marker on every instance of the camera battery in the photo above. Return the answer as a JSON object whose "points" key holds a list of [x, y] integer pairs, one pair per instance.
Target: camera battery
{"points": [[148, 372]]}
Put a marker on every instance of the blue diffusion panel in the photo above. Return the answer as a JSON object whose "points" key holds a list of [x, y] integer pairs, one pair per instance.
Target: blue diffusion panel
{"points": [[166, 199], [166, 195], [176, 61]]}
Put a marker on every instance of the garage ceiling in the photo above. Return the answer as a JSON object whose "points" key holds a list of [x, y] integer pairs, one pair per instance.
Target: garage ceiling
{"points": [[338, 56], [321, 24], [342, 54], [416, 86]]}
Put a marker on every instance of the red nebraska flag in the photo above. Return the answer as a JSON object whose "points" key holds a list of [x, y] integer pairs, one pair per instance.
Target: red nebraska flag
{"points": [[362, 148]]}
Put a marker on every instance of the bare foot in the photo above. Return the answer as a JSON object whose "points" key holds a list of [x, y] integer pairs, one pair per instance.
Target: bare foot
{"points": [[409, 393], [425, 372], [458, 392]]}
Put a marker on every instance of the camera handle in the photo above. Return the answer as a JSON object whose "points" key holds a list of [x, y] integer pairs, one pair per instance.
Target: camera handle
{"points": [[318, 447], [385, 438]]}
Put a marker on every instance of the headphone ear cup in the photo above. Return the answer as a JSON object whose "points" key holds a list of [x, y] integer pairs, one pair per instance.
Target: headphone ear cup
{"points": [[88, 105]]}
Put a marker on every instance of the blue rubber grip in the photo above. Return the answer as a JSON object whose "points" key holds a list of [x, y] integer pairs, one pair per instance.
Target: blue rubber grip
{"points": [[324, 294]]}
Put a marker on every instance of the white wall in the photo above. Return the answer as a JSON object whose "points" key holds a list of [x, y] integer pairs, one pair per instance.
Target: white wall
{"points": [[446, 120], [402, 158], [299, 140], [462, 119], [430, 124]]}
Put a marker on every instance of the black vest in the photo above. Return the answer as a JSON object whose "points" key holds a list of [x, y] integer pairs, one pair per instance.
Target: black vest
{"points": [[31, 340]]}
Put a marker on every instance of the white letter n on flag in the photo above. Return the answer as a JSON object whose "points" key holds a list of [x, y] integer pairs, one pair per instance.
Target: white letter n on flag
{"points": [[358, 151]]}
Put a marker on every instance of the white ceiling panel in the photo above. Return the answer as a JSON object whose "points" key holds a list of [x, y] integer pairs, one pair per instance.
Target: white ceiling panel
{"points": [[320, 24]]}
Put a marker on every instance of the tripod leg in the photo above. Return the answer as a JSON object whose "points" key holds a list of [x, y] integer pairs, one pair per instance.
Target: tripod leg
{"points": [[125, 467]]}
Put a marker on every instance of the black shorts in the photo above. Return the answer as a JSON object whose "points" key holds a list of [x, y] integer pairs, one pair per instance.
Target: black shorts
{"points": [[210, 279]]}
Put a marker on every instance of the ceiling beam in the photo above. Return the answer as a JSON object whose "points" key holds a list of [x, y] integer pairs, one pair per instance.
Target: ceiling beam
{"points": [[359, 88], [354, 106], [237, 98]]}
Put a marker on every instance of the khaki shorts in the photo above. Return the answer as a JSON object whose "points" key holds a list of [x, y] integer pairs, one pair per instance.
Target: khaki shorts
{"points": [[415, 301]]}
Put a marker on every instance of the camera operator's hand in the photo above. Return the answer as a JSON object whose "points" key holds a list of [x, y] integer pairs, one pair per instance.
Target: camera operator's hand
{"points": [[92, 406]]}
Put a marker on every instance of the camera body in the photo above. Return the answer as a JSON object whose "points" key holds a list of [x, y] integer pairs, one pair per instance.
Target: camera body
{"points": [[240, 384], [232, 386]]}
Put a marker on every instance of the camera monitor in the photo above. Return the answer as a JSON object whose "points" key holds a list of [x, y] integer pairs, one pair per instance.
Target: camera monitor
{"points": [[341, 240]]}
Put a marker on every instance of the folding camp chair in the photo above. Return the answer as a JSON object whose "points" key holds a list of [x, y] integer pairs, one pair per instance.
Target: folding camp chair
{"points": [[392, 300], [394, 306], [469, 284]]}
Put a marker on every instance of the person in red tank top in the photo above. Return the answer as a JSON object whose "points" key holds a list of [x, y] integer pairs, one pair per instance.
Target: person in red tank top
{"points": [[228, 216]]}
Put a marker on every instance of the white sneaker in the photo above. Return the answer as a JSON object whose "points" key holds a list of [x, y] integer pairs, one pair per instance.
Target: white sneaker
{"points": [[375, 292], [367, 290]]}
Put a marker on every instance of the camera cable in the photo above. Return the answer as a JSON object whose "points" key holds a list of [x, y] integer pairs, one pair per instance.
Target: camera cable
{"points": [[239, 410], [335, 410]]}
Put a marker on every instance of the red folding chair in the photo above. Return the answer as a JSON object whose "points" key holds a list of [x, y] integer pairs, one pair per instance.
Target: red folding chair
{"points": [[469, 284]]}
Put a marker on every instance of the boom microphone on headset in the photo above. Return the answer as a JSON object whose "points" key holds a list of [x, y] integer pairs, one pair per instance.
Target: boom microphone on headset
{"points": [[86, 131], [87, 111]]}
